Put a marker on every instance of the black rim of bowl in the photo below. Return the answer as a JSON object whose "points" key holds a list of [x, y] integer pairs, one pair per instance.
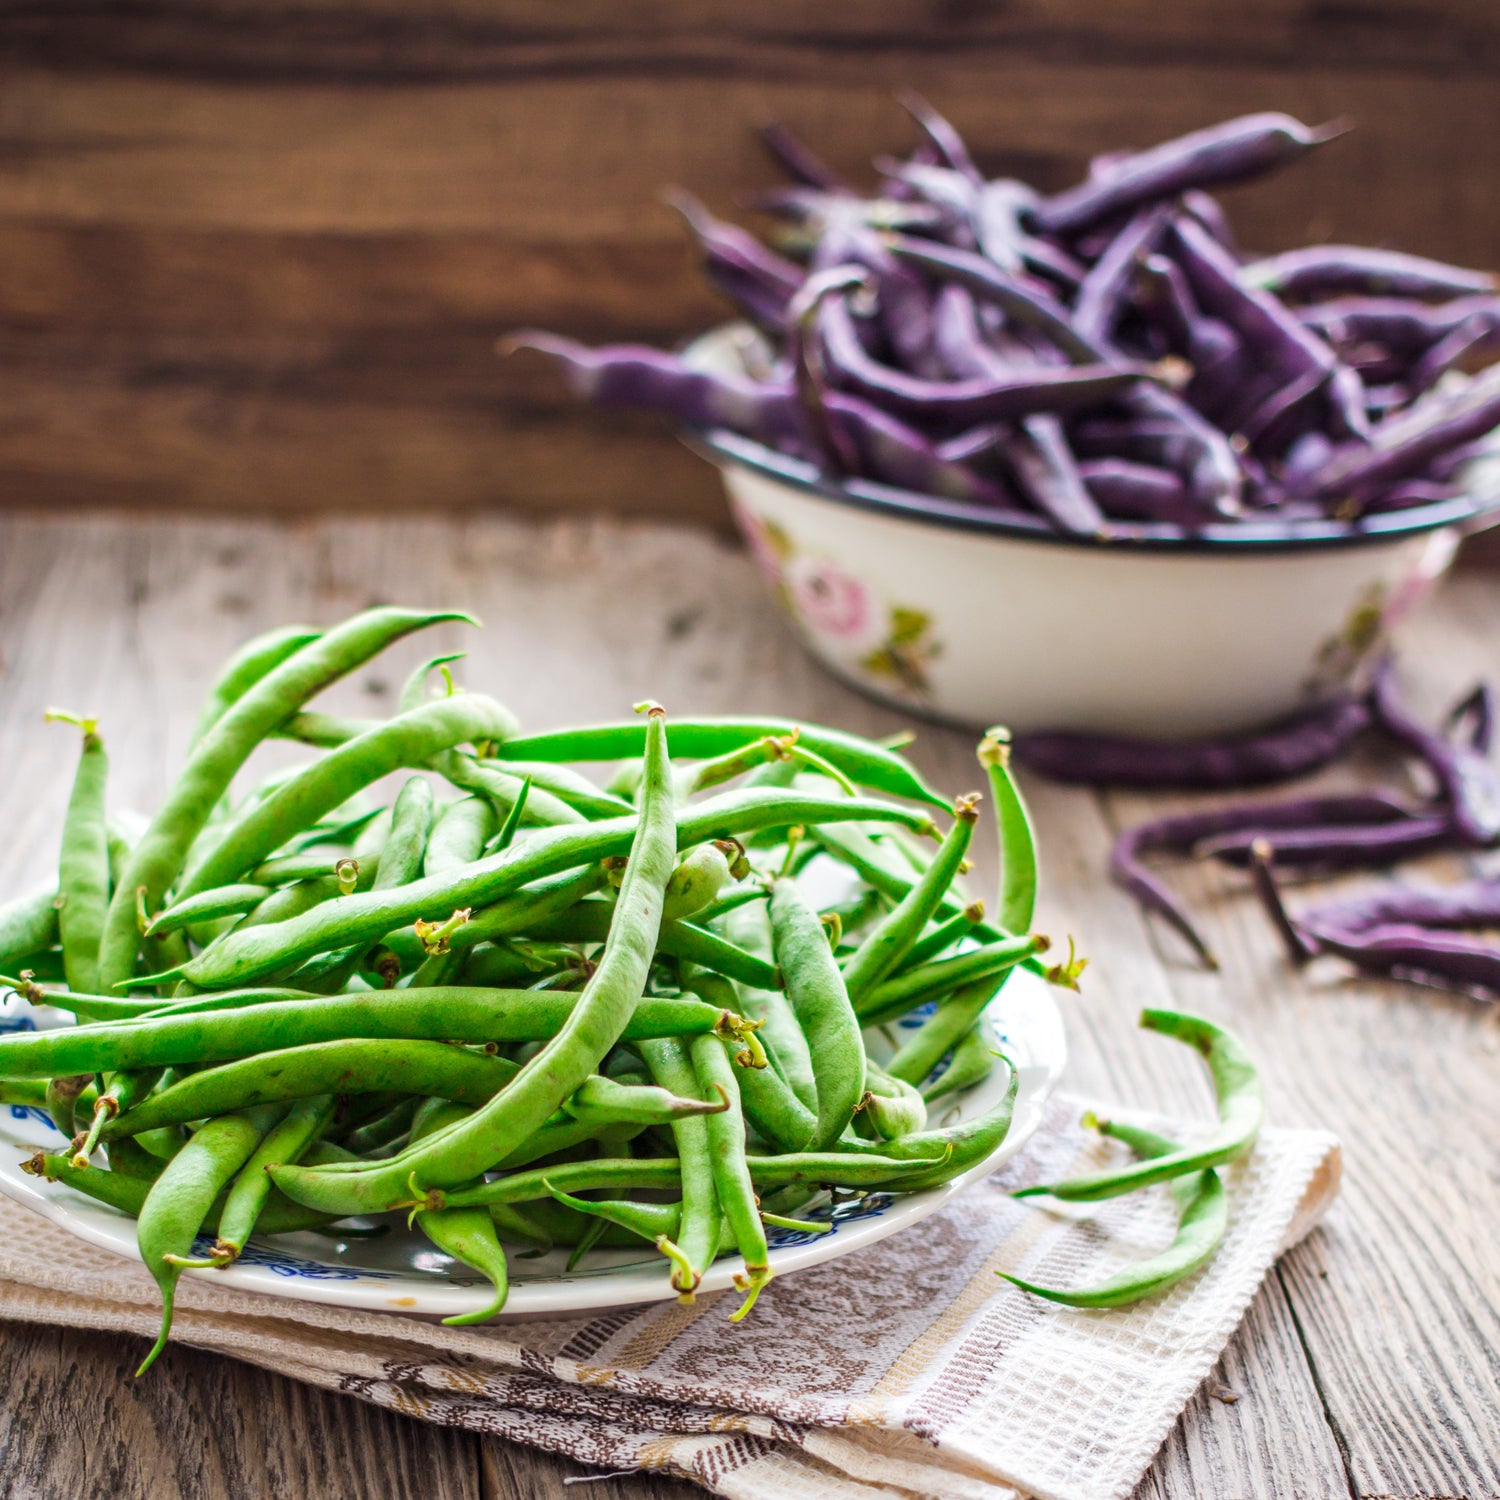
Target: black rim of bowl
{"points": [[720, 446]]}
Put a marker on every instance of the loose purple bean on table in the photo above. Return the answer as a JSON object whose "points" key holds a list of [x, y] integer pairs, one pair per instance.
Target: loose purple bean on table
{"points": [[1121, 310]]}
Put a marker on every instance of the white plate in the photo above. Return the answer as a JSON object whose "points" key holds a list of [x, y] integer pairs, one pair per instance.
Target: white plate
{"points": [[401, 1272]]}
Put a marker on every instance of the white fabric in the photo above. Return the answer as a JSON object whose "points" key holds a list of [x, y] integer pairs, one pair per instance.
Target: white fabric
{"points": [[908, 1368]]}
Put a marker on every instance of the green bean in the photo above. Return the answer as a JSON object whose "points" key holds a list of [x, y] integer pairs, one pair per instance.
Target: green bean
{"points": [[62, 1098], [897, 996], [780, 1031], [180, 1199], [944, 935], [245, 1201], [28, 925], [388, 1129], [351, 1066], [83, 871], [157, 858], [414, 690], [467, 1234], [944, 1029], [234, 900], [893, 937], [1241, 1108], [601, 1016], [731, 1169], [258, 656], [1203, 1217], [33, 1092], [774, 1110], [512, 824], [244, 954], [971, 1061], [1016, 906], [459, 836], [816, 990], [867, 763], [892, 1107], [603, 1101], [589, 922], [731, 900], [656, 1222], [953, 1150], [699, 877], [200, 1036], [130, 1159], [409, 740], [491, 780], [112, 1008], [696, 1236]]}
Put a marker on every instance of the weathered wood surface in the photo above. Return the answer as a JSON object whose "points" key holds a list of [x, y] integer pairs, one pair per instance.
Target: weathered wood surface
{"points": [[1368, 1365], [258, 255]]}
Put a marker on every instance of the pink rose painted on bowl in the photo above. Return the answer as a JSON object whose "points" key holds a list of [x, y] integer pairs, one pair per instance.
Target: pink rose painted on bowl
{"points": [[829, 600]]}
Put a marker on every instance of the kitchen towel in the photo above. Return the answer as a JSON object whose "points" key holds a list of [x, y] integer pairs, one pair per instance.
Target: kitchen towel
{"points": [[907, 1368]]}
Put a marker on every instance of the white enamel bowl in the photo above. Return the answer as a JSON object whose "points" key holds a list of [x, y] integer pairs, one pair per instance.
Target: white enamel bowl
{"points": [[948, 611], [400, 1271]]}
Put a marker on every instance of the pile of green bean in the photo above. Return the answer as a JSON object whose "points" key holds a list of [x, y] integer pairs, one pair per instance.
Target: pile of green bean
{"points": [[529, 1009]]}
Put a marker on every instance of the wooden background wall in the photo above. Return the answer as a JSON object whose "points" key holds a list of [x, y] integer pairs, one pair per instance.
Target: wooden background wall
{"points": [[255, 254]]}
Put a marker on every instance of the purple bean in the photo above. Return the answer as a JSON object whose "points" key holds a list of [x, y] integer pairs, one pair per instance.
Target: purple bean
{"points": [[1163, 430], [814, 209], [1206, 210], [1473, 903], [945, 140], [1409, 493], [1476, 334], [1404, 445], [837, 452], [1291, 747], [1465, 966], [1229, 152], [962, 402], [1271, 334], [1330, 848], [1299, 948], [756, 279], [975, 441], [1140, 492], [1100, 300], [1275, 411], [1027, 304], [635, 377], [801, 162], [1180, 834], [1047, 474], [1405, 327], [903, 303], [1477, 710], [890, 451], [1327, 270], [1467, 777]]}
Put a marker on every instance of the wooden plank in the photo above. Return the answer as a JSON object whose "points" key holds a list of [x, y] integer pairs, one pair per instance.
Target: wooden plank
{"points": [[254, 264], [75, 1422], [1398, 1299]]}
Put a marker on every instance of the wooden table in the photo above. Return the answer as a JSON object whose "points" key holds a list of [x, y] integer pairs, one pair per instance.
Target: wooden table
{"points": [[1369, 1365]]}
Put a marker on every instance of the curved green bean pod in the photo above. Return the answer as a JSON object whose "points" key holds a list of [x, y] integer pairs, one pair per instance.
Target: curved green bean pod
{"points": [[897, 996], [235, 900], [868, 764], [467, 1234], [815, 988], [179, 1201], [892, 1106], [731, 1169], [604, 1101], [247, 954], [458, 837], [699, 877], [972, 1061], [698, 1229], [893, 936], [62, 1100], [602, 1014], [1016, 906], [158, 856], [944, 1029], [127, 1192], [1203, 1217], [28, 925], [780, 1032], [450, 1014], [944, 935], [245, 1201], [408, 740], [352, 1066], [1241, 1109], [258, 656], [83, 869]]}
